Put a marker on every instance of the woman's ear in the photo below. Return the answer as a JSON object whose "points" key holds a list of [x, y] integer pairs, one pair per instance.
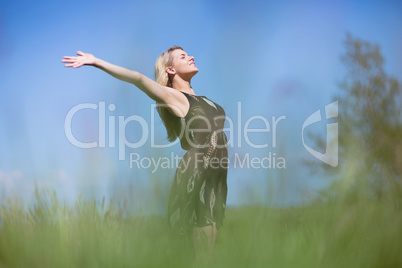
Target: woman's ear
{"points": [[170, 70]]}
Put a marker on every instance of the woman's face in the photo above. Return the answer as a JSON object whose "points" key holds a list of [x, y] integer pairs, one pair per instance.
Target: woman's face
{"points": [[183, 64]]}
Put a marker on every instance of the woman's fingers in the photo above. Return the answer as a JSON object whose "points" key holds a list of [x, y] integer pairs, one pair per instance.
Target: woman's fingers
{"points": [[69, 59], [72, 60], [80, 53]]}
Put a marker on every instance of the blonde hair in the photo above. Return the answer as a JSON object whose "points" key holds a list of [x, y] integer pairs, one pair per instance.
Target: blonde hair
{"points": [[165, 60], [162, 77]]}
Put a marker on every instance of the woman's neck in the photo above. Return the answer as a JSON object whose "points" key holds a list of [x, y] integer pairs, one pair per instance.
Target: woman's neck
{"points": [[182, 85]]}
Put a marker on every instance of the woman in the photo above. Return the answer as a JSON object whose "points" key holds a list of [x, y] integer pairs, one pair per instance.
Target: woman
{"points": [[198, 196]]}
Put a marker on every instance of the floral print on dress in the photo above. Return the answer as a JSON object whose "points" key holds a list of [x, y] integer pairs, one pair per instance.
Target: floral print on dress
{"points": [[198, 194]]}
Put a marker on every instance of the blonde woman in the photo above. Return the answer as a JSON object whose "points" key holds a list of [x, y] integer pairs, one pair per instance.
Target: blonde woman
{"points": [[198, 196]]}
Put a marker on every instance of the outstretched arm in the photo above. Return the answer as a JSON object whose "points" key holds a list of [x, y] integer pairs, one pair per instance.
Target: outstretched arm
{"points": [[154, 90]]}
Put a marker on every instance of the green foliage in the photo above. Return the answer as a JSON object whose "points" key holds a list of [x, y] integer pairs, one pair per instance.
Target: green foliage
{"points": [[88, 234], [370, 127], [92, 234]]}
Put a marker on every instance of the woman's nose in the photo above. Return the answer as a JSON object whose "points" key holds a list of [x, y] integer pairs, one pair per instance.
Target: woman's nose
{"points": [[192, 58]]}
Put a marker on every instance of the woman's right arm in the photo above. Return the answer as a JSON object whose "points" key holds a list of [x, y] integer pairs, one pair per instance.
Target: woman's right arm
{"points": [[176, 101]]}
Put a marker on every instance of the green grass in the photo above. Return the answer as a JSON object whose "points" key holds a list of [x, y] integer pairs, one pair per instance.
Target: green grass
{"points": [[93, 234]]}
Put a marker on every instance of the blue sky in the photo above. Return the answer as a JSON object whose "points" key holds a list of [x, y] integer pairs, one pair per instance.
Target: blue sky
{"points": [[275, 58]]}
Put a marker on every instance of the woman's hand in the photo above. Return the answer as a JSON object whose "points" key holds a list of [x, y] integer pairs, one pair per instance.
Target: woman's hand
{"points": [[82, 59]]}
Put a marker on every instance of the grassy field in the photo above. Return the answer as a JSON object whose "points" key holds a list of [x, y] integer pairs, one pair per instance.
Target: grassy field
{"points": [[361, 233]]}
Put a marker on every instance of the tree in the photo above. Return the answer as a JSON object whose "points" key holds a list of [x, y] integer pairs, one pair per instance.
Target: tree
{"points": [[370, 126]]}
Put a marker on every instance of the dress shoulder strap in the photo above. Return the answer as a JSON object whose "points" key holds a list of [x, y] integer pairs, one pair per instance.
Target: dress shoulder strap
{"points": [[191, 97]]}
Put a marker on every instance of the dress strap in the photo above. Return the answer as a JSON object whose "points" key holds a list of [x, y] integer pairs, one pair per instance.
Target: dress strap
{"points": [[190, 96]]}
